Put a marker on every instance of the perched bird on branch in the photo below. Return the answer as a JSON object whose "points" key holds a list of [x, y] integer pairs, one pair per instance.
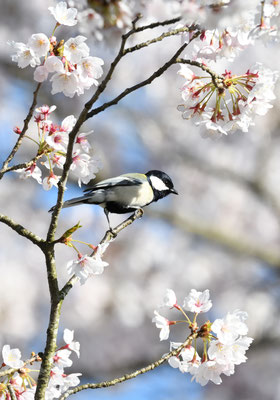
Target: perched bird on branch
{"points": [[126, 193]]}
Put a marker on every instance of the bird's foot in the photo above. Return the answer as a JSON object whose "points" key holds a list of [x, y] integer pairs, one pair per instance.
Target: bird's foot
{"points": [[112, 232], [139, 213]]}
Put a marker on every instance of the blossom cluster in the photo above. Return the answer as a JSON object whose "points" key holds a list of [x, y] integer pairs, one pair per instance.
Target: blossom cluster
{"points": [[52, 143], [73, 69], [228, 102], [24, 385], [233, 104], [225, 338]]}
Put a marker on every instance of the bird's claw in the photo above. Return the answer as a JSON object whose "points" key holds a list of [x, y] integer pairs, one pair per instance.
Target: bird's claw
{"points": [[112, 232]]}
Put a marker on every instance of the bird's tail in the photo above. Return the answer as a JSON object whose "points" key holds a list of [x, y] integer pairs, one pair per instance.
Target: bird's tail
{"points": [[74, 202]]}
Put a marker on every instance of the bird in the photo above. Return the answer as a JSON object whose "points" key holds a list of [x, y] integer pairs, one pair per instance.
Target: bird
{"points": [[125, 193]]}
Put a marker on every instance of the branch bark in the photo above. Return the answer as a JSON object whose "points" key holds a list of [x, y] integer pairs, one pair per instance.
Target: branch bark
{"points": [[21, 230]]}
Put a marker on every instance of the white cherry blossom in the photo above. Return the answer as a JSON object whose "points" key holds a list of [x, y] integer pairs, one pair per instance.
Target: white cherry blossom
{"points": [[33, 171], [163, 324], [68, 123], [75, 49], [41, 74], [91, 67], [50, 181], [12, 357], [58, 140], [86, 267], [197, 301], [24, 55], [65, 82], [84, 166], [61, 359], [68, 337], [54, 64], [64, 15], [231, 327], [39, 43], [169, 299]]}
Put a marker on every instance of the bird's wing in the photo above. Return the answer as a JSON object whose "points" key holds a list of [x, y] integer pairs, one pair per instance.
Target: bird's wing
{"points": [[122, 180]]}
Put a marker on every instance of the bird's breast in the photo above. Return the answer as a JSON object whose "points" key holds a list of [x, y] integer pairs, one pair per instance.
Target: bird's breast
{"points": [[131, 196]]}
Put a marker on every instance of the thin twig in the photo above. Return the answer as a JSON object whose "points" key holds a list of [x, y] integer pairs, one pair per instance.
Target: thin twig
{"points": [[24, 165], [156, 40], [24, 130], [154, 25], [134, 374], [216, 78], [22, 231], [131, 89]]}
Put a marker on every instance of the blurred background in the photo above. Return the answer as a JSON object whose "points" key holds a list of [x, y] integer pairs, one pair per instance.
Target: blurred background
{"points": [[222, 231]]}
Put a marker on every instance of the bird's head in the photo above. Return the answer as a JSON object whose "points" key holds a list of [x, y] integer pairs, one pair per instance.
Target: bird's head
{"points": [[161, 183]]}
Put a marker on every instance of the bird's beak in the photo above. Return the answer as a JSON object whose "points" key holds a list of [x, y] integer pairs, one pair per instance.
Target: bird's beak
{"points": [[173, 191]]}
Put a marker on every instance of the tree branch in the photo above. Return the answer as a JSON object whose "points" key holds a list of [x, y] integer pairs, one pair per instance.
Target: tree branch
{"points": [[134, 374], [24, 130], [82, 118], [56, 304], [22, 231], [216, 79], [156, 40], [157, 24], [147, 81], [24, 165]]}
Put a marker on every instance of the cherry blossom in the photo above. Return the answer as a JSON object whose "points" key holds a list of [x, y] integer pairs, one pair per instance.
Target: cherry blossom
{"points": [[75, 49], [12, 357], [233, 353], [68, 337], [24, 55], [91, 67], [208, 371], [231, 327], [65, 82], [197, 301], [84, 166], [33, 171], [163, 324], [45, 109], [39, 43], [81, 143], [86, 266], [169, 300], [61, 359], [54, 64], [50, 181], [64, 15]]}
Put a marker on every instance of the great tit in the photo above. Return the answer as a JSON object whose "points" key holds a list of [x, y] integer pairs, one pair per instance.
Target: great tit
{"points": [[126, 193]]}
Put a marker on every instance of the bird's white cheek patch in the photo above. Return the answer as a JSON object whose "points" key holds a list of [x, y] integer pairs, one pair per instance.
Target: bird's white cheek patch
{"points": [[157, 183]]}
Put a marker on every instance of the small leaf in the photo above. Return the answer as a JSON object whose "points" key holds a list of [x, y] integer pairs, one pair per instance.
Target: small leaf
{"points": [[70, 231]]}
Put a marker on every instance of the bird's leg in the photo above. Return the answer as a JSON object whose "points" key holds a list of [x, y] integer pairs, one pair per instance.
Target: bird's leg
{"points": [[107, 216]]}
